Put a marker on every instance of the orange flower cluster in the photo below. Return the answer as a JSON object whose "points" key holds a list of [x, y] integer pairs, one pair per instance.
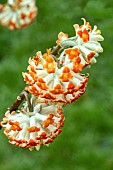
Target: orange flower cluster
{"points": [[46, 80], [53, 81], [84, 47], [17, 14], [33, 129]]}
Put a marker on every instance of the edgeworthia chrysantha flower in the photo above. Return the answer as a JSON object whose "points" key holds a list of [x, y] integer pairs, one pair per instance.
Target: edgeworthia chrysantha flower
{"points": [[17, 14], [84, 45], [28, 129], [48, 80]]}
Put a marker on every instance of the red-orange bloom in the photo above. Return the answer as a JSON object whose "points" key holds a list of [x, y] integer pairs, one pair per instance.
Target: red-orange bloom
{"points": [[50, 64], [77, 66], [48, 121], [57, 89], [72, 53], [33, 90], [15, 126], [50, 67], [84, 35], [41, 84], [36, 60], [90, 56], [33, 129], [66, 75]]}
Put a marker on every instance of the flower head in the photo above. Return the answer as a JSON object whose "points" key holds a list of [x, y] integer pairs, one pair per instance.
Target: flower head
{"points": [[85, 45], [33, 129], [17, 14], [72, 53], [49, 81]]}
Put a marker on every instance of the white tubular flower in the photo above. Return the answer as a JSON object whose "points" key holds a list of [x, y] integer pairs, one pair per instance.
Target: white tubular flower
{"points": [[73, 58], [18, 14], [33, 129], [85, 42], [61, 37], [86, 33], [46, 80]]}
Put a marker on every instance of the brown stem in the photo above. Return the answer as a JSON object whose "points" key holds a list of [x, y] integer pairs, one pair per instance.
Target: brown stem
{"points": [[18, 101], [0, 126], [56, 50], [28, 100]]}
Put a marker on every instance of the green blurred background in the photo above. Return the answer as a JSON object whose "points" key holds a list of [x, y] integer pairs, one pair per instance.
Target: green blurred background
{"points": [[86, 142]]}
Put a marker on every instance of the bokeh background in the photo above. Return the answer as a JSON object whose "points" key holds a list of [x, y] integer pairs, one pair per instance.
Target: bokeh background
{"points": [[86, 142]]}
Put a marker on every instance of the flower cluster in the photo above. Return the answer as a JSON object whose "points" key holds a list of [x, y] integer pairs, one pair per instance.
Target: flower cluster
{"points": [[17, 14], [54, 79], [50, 81], [33, 129], [81, 50]]}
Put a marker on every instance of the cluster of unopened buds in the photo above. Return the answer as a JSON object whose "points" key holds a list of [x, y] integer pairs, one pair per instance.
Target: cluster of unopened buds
{"points": [[17, 14], [54, 79]]}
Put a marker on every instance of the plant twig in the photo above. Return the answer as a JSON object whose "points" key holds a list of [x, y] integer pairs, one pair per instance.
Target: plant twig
{"points": [[56, 50], [18, 101], [28, 100], [0, 126]]}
